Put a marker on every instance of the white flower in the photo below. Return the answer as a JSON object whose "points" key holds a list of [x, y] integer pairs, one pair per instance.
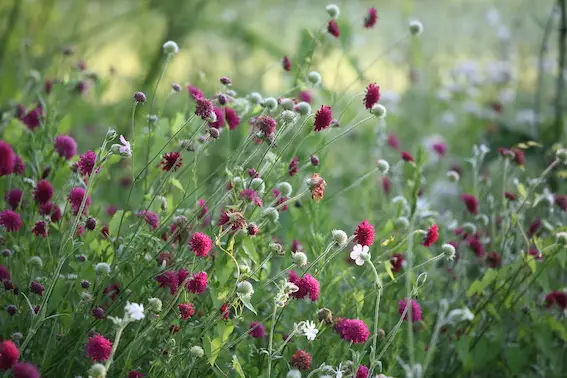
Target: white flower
{"points": [[360, 254], [459, 315], [134, 311], [309, 330]]}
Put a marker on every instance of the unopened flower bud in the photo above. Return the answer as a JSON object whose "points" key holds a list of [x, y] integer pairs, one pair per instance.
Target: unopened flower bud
{"points": [[303, 108], [381, 333], [170, 47], [255, 98], [383, 166], [325, 315], [225, 81], [561, 238], [237, 182], [245, 288], [17, 336], [97, 371], [90, 223], [314, 160], [272, 214], [288, 116], [314, 78], [175, 87], [85, 284], [277, 249], [222, 99], [36, 261], [293, 374], [453, 176], [562, 155], [415, 27], [197, 351], [339, 237], [155, 304], [110, 135], [286, 103], [212, 117], [379, 111], [258, 185], [214, 132], [6, 252], [102, 268], [285, 188], [253, 229], [140, 97], [244, 268], [300, 259], [152, 118], [402, 223], [271, 104], [483, 219], [469, 228], [333, 11], [449, 251]]}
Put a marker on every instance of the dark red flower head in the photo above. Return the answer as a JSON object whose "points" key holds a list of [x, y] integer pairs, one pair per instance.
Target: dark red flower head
{"points": [[232, 118], [203, 108], [323, 118], [135, 374], [558, 298], [14, 198], [353, 330], [432, 236], [371, 18], [151, 218], [9, 354], [186, 310], [397, 261], [362, 372], [393, 141], [257, 330], [43, 191], [372, 95], [301, 360], [470, 202], [494, 260], [219, 123], [195, 92], [198, 283], [293, 166], [25, 370], [386, 185], [286, 63], [33, 118], [266, 125], [201, 244], [87, 163], [65, 146], [52, 210], [171, 161], [519, 156], [560, 201], [415, 310], [37, 288], [333, 28], [308, 286], [98, 348], [365, 233], [41, 228], [7, 159], [10, 220], [168, 279], [406, 156], [76, 198]]}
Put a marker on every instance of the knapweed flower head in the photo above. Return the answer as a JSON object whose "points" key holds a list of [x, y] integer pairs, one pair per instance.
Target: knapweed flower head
{"points": [[9, 354], [25, 370], [317, 185], [232, 118], [371, 18], [266, 124], [14, 198], [293, 166], [301, 360], [171, 161], [257, 330], [307, 286], [51, 210], [65, 146], [151, 218], [168, 279], [7, 159], [251, 196], [76, 197], [415, 310], [397, 261], [37, 288], [203, 108], [140, 97], [87, 163], [186, 310], [365, 233], [372, 95], [362, 372], [98, 348], [33, 118], [286, 63], [11, 220], [201, 244], [431, 236], [471, 203], [218, 120], [198, 283], [323, 118], [353, 330], [333, 28], [360, 254]]}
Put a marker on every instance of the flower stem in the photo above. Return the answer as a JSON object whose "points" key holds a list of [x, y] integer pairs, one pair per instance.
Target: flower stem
{"points": [[271, 341], [378, 282]]}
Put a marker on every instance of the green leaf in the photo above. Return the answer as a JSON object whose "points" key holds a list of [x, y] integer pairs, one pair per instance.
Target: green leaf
{"points": [[115, 222], [250, 249], [212, 349], [248, 305], [237, 367], [492, 311], [388, 267], [530, 261], [175, 182], [556, 326]]}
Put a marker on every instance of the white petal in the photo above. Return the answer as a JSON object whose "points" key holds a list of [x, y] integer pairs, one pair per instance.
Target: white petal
{"points": [[365, 248], [359, 261], [354, 255]]}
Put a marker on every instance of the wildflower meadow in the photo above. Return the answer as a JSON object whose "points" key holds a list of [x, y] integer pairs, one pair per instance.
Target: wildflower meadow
{"points": [[366, 189]]}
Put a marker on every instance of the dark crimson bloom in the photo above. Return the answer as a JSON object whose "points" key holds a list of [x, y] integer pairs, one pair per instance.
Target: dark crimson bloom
{"points": [[406, 156], [52, 210], [558, 298], [37, 288], [168, 279], [151, 218], [7, 159], [353, 330], [19, 166], [41, 228], [494, 260], [14, 198], [203, 108], [510, 196], [296, 246], [476, 246], [43, 191], [4, 273], [252, 229], [519, 156], [266, 125], [171, 161], [232, 218], [140, 97], [112, 291], [440, 148], [415, 310], [323, 117], [225, 311], [365, 233], [333, 28], [393, 141], [204, 209], [198, 283], [232, 118], [293, 166], [307, 285], [87, 163], [65, 146], [135, 374], [10, 220], [535, 253], [561, 201], [252, 196], [76, 198], [370, 20], [301, 359], [25, 370], [164, 258], [219, 123], [195, 92], [397, 261], [535, 226], [286, 63], [372, 95], [33, 118], [186, 310], [362, 372], [470, 202], [280, 199], [386, 185], [98, 348], [201, 244], [257, 330], [305, 96], [90, 224], [432, 236], [9, 354]]}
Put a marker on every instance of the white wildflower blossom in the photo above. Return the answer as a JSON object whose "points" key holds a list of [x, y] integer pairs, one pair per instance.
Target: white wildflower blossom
{"points": [[360, 254], [134, 311]]}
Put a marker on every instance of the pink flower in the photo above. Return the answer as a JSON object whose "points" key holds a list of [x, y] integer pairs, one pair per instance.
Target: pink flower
{"points": [[362, 372], [252, 196], [406, 156], [7, 159], [365, 234], [10, 220], [52, 210], [397, 261], [201, 244], [125, 149], [232, 118], [333, 28], [43, 191], [393, 141], [203, 108], [76, 198], [323, 117], [470, 202], [32, 119], [353, 330], [25, 370], [65, 146], [4, 273], [386, 185], [286, 63], [440, 148], [9, 354], [301, 360], [293, 166], [87, 163], [415, 310], [151, 218], [135, 374], [14, 198], [19, 166], [186, 310], [370, 20], [168, 279], [266, 125], [305, 96], [98, 348], [476, 246], [308, 285], [219, 123], [257, 330], [40, 229], [198, 283], [372, 95], [432, 236], [195, 92]]}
